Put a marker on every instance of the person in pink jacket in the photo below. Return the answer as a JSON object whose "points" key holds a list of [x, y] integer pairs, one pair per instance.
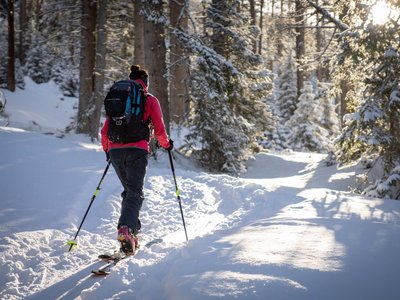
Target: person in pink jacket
{"points": [[130, 163]]}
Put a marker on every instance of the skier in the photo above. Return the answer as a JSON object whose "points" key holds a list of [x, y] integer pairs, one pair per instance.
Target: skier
{"points": [[130, 162]]}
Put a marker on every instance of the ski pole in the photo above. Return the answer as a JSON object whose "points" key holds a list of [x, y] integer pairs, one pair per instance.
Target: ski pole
{"points": [[72, 243], [177, 193]]}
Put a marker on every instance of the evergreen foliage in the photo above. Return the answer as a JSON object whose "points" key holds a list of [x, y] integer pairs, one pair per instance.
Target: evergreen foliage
{"points": [[241, 100], [65, 74], [39, 60], [227, 117], [374, 128], [286, 90], [63, 38], [329, 118], [308, 132], [19, 74], [120, 37]]}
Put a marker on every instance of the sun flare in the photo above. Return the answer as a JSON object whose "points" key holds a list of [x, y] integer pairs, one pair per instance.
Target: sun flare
{"points": [[380, 13]]}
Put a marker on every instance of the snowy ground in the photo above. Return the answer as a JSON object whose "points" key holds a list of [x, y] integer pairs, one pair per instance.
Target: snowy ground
{"points": [[288, 229]]}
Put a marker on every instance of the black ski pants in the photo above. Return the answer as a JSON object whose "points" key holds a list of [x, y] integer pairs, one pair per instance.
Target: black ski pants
{"points": [[130, 164]]}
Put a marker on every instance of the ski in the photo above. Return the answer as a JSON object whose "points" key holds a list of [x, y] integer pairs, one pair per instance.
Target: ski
{"points": [[112, 259]]}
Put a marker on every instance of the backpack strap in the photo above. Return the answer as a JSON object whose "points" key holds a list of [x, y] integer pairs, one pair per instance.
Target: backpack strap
{"points": [[138, 101]]}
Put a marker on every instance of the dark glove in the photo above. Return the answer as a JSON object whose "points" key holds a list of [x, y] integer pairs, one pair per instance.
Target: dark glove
{"points": [[107, 156], [171, 145]]}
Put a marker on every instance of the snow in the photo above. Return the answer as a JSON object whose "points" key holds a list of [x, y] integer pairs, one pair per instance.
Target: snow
{"points": [[287, 229], [394, 96], [40, 107]]}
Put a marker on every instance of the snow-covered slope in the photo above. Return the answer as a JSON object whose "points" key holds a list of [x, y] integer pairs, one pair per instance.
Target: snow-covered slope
{"points": [[288, 229]]}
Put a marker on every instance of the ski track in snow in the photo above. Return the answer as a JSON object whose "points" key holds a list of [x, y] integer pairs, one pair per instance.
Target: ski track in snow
{"points": [[35, 260], [287, 229], [250, 237]]}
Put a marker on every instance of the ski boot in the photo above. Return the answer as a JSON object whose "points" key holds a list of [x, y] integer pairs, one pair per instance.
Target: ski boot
{"points": [[128, 240]]}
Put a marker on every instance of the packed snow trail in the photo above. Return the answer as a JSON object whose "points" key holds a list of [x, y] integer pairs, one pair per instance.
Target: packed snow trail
{"points": [[287, 230], [58, 177]]}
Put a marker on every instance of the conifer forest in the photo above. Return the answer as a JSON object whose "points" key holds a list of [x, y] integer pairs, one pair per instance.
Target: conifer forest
{"points": [[238, 76]]}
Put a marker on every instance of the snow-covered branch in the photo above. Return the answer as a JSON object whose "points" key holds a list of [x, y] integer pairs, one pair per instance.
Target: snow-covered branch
{"points": [[327, 15]]}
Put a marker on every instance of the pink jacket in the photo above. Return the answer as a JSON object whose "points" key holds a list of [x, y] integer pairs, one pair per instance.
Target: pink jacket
{"points": [[152, 109]]}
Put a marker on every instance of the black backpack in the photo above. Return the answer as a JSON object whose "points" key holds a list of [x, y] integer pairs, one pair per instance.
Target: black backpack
{"points": [[124, 105]]}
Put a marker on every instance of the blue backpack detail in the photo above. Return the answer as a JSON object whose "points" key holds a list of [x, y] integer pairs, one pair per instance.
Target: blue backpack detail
{"points": [[124, 106]]}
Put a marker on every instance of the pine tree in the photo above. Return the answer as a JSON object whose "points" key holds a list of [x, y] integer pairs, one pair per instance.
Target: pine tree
{"points": [[19, 74], [39, 60], [66, 75], [374, 129], [282, 101], [120, 40], [308, 134], [287, 90], [62, 21], [226, 118], [329, 116]]}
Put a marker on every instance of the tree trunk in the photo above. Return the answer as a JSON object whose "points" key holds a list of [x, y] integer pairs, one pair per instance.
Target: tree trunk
{"points": [[101, 52], [319, 48], [253, 21], [139, 34], [344, 89], [179, 70], [87, 65], [344, 85], [11, 47], [155, 58], [23, 26], [260, 38], [322, 72], [300, 44], [279, 29]]}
